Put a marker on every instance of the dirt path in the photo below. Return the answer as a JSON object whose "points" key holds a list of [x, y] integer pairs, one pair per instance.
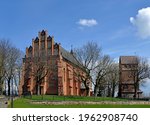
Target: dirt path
{"points": [[3, 102], [89, 102]]}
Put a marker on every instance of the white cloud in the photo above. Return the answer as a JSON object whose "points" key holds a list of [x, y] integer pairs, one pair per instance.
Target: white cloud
{"points": [[142, 22], [87, 22]]}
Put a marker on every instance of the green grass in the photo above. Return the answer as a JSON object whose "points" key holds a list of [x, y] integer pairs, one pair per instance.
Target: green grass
{"points": [[26, 102], [71, 98]]}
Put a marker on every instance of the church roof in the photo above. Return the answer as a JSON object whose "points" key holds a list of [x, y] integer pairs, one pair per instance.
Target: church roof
{"points": [[69, 57], [128, 60]]}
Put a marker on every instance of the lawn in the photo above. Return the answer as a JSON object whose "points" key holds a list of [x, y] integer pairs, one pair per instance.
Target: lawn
{"points": [[26, 102], [71, 98]]}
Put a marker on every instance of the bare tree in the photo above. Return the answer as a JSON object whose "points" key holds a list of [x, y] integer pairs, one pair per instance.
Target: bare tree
{"points": [[8, 58], [11, 67], [113, 79], [17, 72], [102, 69], [87, 56], [4, 49], [140, 73]]}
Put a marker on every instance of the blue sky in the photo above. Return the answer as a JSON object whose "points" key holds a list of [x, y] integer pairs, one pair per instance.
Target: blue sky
{"points": [[22, 19], [120, 27]]}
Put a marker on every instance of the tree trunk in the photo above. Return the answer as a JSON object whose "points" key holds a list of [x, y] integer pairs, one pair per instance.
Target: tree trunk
{"points": [[1, 86], [5, 93], [12, 88], [38, 89], [87, 91], [86, 88], [95, 90], [9, 86], [119, 93], [100, 92], [38, 85], [108, 91], [113, 90], [135, 91]]}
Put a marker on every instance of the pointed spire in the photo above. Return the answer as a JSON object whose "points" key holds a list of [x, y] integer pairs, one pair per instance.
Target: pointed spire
{"points": [[49, 37], [36, 39], [43, 33], [30, 48]]}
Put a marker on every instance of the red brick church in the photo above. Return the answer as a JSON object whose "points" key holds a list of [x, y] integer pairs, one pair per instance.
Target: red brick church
{"points": [[49, 69]]}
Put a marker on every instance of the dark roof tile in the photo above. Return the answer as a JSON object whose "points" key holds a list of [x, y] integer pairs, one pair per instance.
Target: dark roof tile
{"points": [[128, 59], [70, 57]]}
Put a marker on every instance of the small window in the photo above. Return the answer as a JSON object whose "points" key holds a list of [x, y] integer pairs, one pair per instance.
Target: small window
{"points": [[49, 45], [130, 75], [64, 74], [125, 87], [126, 66], [43, 37], [55, 51], [43, 45]]}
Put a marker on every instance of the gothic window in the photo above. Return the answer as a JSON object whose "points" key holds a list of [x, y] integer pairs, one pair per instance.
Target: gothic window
{"points": [[125, 87], [55, 51], [43, 37], [42, 45], [51, 84], [43, 54], [36, 54], [49, 52], [64, 74], [126, 66], [30, 54], [130, 66], [49, 45], [130, 74], [36, 48]]}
